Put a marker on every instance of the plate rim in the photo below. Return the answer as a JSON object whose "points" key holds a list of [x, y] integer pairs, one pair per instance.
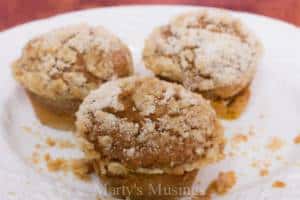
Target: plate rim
{"points": [[136, 6]]}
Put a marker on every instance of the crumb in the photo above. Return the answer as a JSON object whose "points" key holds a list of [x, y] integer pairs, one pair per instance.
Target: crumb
{"points": [[27, 129], [261, 164], [224, 182], [64, 144], [264, 172], [239, 138], [275, 144], [81, 168], [278, 184], [297, 139], [254, 164], [50, 142], [57, 165]]}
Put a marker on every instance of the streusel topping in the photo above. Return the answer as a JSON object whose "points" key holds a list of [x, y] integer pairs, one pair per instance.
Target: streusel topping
{"points": [[68, 62], [142, 123], [204, 50]]}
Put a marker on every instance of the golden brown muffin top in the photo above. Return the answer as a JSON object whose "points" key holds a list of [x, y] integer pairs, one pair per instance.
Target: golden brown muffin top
{"points": [[67, 63], [142, 123], [205, 50]]}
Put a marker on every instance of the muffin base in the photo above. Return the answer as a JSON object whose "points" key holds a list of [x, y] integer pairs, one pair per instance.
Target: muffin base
{"points": [[232, 108], [229, 108], [150, 186], [58, 114]]}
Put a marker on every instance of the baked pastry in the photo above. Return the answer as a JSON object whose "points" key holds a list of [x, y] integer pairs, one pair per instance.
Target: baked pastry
{"points": [[145, 127], [59, 68], [207, 51]]}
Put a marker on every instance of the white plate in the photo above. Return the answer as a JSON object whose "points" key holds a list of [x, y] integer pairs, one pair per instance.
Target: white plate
{"points": [[274, 110]]}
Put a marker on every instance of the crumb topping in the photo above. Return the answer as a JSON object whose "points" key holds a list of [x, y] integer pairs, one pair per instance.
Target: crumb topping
{"points": [[70, 61], [204, 50], [142, 123]]}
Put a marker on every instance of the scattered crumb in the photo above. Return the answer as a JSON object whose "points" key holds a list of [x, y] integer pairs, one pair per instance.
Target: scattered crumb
{"points": [[231, 154], [275, 144], [297, 139], [278, 184], [50, 142], [38, 146], [81, 168], [58, 164], [224, 182], [47, 157], [239, 138], [63, 144], [35, 157], [264, 172], [27, 129], [220, 186], [265, 164]]}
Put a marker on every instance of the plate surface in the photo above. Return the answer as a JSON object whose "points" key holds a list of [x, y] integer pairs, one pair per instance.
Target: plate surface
{"points": [[273, 112]]}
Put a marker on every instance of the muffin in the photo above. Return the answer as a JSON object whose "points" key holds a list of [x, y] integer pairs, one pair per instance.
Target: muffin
{"points": [[207, 51], [142, 130], [59, 68]]}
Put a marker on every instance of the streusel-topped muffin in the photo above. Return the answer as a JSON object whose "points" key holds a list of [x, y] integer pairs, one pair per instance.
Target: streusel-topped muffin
{"points": [[208, 51], [140, 126], [61, 67]]}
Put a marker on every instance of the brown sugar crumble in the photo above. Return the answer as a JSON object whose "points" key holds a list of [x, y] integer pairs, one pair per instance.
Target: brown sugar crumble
{"points": [[297, 139], [279, 184], [275, 144], [224, 182]]}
